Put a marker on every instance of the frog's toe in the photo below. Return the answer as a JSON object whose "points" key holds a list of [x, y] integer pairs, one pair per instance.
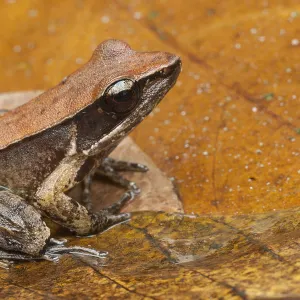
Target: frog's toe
{"points": [[5, 264], [104, 220], [120, 165], [113, 175], [116, 219], [117, 206], [8, 257], [57, 242], [110, 216], [110, 169], [54, 252]]}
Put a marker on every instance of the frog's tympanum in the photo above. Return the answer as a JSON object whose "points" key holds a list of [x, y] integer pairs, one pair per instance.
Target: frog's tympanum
{"points": [[62, 137]]}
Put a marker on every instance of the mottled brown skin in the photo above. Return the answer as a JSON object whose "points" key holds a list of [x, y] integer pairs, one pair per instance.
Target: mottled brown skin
{"points": [[53, 142]]}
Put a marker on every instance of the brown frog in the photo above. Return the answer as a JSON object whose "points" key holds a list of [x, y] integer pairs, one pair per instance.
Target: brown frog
{"points": [[57, 140]]}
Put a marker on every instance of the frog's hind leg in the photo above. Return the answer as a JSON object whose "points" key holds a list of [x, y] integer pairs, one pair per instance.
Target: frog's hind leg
{"points": [[25, 237], [23, 234]]}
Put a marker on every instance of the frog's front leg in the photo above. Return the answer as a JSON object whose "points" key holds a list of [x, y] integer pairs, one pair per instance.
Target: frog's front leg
{"points": [[52, 200], [120, 165], [110, 168]]}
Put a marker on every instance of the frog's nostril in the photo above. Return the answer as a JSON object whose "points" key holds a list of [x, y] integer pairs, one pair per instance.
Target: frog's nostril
{"points": [[174, 67], [166, 71]]}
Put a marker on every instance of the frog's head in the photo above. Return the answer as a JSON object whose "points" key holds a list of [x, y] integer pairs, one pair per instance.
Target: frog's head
{"points": [[135, 82]]}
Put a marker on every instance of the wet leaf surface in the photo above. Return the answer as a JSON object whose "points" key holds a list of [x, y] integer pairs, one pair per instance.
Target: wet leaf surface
{"points": [[228, 133], [229, 130], [175, 256]]}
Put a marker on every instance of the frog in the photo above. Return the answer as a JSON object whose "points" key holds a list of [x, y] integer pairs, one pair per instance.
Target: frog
{"points": [[61, 138]]}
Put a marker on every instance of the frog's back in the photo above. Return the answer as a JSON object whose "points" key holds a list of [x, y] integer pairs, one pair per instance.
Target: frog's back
{"points": [[49, 109], [72, 95]]}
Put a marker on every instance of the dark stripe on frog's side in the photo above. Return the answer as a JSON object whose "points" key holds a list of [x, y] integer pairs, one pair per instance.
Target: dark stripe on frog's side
{"points": [[26, 164]]}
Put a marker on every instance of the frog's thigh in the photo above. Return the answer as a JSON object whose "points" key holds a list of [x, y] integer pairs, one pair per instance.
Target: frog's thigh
{"points": [[21, 226]]}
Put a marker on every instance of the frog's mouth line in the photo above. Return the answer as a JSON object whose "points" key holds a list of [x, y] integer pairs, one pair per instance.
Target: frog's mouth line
{"points": [[140, 112]]}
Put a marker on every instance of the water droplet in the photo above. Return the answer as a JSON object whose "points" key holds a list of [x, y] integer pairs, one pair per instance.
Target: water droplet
{"points": [[137, 15], [105, 19], [17, 48], [295, 42]]}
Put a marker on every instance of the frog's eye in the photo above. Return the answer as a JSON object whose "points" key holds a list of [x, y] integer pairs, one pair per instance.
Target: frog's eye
{"points": [[121, 96]]}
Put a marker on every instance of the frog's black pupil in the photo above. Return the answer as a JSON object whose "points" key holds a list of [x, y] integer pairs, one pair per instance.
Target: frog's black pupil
{"points": [[123, 96]]}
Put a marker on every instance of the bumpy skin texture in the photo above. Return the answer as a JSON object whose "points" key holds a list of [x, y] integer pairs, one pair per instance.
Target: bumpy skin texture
{"points": [[21, 226], [52, 143]]}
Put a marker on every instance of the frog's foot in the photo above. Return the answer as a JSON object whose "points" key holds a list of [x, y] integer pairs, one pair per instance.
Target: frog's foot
{"points": [[110, 169], [5, 264], [110, 216], [117, 206], [56, 248]]}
